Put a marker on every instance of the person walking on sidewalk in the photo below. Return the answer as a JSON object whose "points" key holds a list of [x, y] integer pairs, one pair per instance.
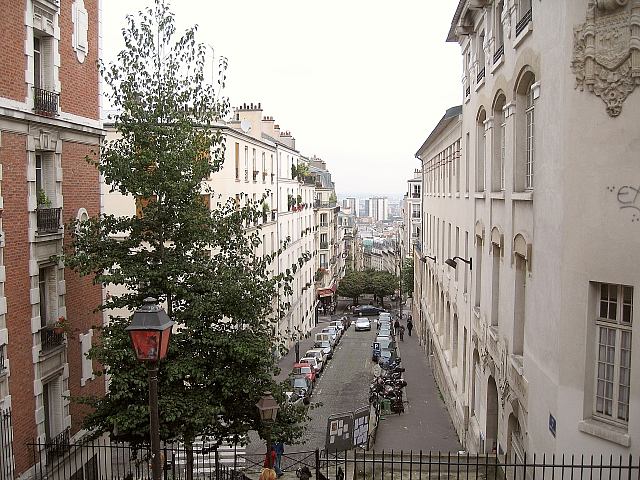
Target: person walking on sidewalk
{"points": [[396, 327], [409, 326], [401, 329]]}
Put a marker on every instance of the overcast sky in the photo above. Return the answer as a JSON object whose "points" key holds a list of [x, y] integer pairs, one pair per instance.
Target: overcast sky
{"points": [[359, 83]]}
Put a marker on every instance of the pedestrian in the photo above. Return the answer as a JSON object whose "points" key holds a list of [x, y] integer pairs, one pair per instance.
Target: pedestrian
{"points": [[270, 459], [278, 447], [401, 333], [409, 325], [396, 327]]}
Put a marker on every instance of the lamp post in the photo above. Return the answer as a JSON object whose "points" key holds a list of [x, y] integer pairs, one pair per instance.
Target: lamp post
{"points": [[452, 262], [268, 411], [150, 331]]}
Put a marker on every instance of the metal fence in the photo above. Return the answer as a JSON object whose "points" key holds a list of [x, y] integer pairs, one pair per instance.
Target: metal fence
{"points": [[6, 445], [105, 460]]}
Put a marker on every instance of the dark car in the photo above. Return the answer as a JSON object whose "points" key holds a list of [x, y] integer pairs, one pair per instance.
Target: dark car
{"points": [[367, 311]]}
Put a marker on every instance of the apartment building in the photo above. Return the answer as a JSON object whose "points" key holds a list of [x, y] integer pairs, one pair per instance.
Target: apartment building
{"points": [[351, 204], [49, 123], [327, 243], [411, 215], [379, 208], [549, 115]]}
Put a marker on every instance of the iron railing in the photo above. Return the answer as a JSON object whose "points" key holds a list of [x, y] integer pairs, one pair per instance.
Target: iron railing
{"points": [[57, 446], [45, 101], [121, 461], [498, 53], [7, 465], [481, 74], [524, 21], [321, 204], [467, 91], [50, 339], [415, 195], [324, 245], [2, 362], [48, 219]]}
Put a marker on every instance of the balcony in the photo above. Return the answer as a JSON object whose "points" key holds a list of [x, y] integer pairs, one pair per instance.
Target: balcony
{"points": [[324, 266], [246, 175], [467, 91], [273, 215], [48, 219], [49, 339], [324, 224], [322, 204], [58, 445], [481, 74], [45, 102], [415, 214], [523, 22], [3, 365], [415, 195], [498, 54], [255, 175]]}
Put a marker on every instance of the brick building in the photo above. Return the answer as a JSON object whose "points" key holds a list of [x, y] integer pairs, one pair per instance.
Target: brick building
{"points": [[49, 123]]}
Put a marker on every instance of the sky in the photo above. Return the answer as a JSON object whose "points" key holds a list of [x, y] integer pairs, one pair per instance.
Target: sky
{"points": [[358, 83]]}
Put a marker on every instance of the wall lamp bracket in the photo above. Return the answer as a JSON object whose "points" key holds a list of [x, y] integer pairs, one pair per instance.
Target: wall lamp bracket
{"points": [[452, 262]]}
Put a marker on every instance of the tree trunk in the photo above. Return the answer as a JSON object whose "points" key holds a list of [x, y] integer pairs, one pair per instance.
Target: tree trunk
{"points": [[188, 448]]}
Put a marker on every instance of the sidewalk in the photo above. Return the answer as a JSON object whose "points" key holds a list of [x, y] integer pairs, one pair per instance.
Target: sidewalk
{"points": [[425, 425]]}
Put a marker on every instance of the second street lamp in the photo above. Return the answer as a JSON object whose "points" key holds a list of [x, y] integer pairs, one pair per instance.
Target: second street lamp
{"points": [[150, 332], [268, 410]]}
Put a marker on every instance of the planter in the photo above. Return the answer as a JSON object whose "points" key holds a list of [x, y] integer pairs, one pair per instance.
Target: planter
{"points": [[58, 330]]}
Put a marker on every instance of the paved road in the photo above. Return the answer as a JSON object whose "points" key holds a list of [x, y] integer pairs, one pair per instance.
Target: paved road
{"points": [[344, 386]]}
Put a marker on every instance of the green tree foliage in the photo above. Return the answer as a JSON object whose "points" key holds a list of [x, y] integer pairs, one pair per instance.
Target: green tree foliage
{"points": [[407, 276], [200, 263], [352, 285], [381, 284]]}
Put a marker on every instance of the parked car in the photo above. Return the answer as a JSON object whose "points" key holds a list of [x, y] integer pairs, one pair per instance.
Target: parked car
{"points": [[318, 353], [385, 331], [305, 369], [322, 336], [367, 310], [339, 326], [385, 316], [363, 324], [326, 347], [300, 390], [314, 362], [334, 332]]}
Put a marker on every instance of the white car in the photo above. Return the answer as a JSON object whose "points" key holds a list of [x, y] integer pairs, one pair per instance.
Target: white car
{"points": [[385, 316], [333, 331], [313, 361], [363, 323], [318, 353], [338, 325]]}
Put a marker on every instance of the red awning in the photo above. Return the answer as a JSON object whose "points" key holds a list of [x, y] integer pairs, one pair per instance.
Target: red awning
{"points": [[327, 292]]}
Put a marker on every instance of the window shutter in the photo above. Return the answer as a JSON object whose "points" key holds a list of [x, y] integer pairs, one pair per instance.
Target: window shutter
{"points": [[52, 295], [82, 26], [49, 177], [87, 366], [55, 401], [46, 44]]}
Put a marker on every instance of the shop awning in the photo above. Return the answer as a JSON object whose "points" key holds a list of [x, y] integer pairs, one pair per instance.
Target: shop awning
{"points": [[327, 292]]}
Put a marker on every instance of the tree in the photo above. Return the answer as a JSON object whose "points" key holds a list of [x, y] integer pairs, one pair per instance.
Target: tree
{"points": [[200, 263], [383, 284], [352, 285], [407, 276]]}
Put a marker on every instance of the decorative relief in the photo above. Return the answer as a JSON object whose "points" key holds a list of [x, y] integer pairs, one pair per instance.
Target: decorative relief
{"points": [[606, 51]]}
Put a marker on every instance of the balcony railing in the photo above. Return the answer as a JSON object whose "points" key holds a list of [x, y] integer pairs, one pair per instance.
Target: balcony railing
{"points": [[58, 445], [255, 175], [523, 22], [324, 265], [48, 219], [273, 215], [415, 195], [481, 74], [324, 224], [246, 175], [415, 215], [49, 339], [498, 54], [2, 361], [324, 245], [45, 101], [321, 204], [467, 91]]}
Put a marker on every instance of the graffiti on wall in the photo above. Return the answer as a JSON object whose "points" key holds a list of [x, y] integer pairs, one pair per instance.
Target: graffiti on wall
{"points": [[628, 198]]}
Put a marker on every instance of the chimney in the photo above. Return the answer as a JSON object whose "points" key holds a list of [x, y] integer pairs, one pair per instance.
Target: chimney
{"points": [[268, 127], [288, 140], [276, 131], [249, 115]]}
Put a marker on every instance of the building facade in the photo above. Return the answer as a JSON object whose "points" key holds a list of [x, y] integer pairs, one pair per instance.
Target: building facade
{"points": [[379, 208], [548, 116], [411, 215], [49, 123]]}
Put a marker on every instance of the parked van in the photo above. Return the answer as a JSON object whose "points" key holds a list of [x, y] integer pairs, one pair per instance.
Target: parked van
{"points": [[322, 337]]}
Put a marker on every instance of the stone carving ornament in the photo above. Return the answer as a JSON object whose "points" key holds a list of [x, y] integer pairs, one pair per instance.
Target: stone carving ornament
{"points": [[606, 51]]}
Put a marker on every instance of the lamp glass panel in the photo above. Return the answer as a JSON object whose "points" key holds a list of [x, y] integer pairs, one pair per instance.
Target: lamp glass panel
{"points": [[146, 344], [164, 344]]}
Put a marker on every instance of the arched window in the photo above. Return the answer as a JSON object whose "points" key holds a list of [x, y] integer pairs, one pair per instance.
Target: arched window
{"points": [[525, 133], [480, 150], [499, 135]]}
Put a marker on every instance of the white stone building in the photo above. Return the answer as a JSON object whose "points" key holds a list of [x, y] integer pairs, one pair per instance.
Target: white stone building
{"points": [[411, 231], [549, 121]]}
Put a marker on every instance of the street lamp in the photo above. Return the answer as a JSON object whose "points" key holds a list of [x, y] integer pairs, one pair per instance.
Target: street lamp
{"points": [[150, 331], [452, 262], [424, 258], [268, 411]]}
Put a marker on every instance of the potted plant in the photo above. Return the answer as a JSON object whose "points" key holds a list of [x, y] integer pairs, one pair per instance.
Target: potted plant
{"points": [[43, 200], [61, 326]]}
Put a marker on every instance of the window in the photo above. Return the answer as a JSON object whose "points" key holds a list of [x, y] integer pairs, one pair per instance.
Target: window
{"points": [[614, 320], [495, 284], [237, 160], [478, 269], [44, 98], [246, 164], [415, 210], [264, 167], [498, 32], [52, 406], [497, 163], [524, 15], [37, 63], [480, 55], [480, 153], [467, 146], [48, 287], [525, 135], [519, 305], [254, 165]]}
